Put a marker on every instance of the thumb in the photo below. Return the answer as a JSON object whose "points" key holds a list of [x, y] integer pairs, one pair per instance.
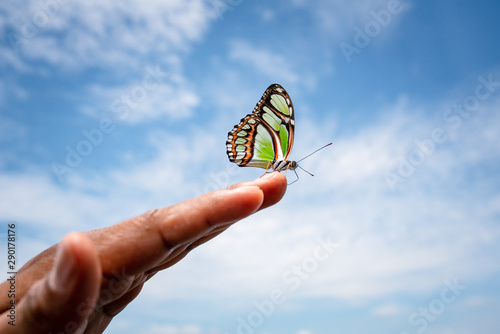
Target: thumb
{"points": [[63, 300]]}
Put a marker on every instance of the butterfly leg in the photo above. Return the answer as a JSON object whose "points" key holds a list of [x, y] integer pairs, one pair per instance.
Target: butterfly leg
{"points": [[297, 175], [269, 165]]}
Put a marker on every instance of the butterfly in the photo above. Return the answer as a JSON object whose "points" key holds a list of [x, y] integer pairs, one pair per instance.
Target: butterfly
{"points": [[264, 138]]}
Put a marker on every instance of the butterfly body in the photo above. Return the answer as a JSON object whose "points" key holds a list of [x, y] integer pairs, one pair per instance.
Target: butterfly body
{"points": [[264, 138], [281, 165]]}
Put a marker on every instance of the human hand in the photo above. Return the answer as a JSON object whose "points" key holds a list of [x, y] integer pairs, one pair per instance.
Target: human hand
{"points": [[81, 283]]}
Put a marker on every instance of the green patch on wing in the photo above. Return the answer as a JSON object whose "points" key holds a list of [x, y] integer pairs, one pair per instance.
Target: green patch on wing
{"points": [[280, 104], [263, 148], [284, 138], [270, 118]]}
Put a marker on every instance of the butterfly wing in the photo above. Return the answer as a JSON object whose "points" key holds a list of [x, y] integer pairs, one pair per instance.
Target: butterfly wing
{"points": [[266, 134]]}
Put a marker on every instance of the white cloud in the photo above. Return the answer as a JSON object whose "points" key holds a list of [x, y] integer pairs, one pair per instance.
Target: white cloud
{"points": [[27, 197], [117, 37], [171, 99], [95, 33], [271, 64]]}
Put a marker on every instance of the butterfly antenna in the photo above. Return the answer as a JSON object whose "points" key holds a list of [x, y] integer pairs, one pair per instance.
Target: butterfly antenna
{"points": [[307, 156]]}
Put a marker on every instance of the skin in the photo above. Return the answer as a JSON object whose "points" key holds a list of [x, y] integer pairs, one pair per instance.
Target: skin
{"points": [[81, 283]]}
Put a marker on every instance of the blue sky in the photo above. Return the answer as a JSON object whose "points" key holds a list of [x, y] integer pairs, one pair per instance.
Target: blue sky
{"points": [[110, 109]]}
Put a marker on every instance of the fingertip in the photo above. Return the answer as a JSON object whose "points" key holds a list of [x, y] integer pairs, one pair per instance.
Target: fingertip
{"points": [[274, 186], [65, 268], [76, 261], [81, 247], [87, 273]]}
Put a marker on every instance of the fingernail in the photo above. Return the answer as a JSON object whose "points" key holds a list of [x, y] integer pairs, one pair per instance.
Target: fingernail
{"points": [[63, 269], [269, 175], [244, 188]]}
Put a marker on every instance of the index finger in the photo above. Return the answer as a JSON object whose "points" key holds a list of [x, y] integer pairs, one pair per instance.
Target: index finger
{"points": [[144, 242]]}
